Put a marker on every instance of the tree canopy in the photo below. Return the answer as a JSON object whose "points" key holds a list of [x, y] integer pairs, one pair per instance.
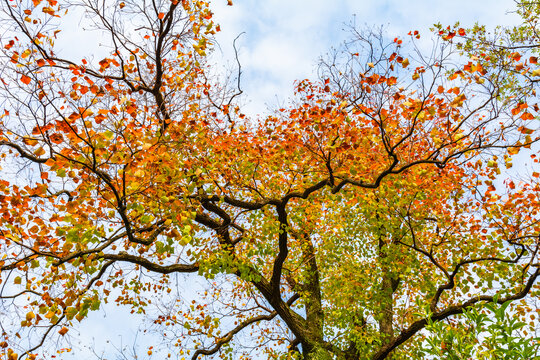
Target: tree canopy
{"points": [[376, 216]]}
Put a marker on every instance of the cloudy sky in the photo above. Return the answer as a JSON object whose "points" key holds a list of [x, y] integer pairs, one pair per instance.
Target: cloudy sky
{"points": [[284, 38], [282, 42]]}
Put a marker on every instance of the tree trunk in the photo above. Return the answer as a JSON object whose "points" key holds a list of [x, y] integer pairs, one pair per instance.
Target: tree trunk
{"points": [[316, 352]]}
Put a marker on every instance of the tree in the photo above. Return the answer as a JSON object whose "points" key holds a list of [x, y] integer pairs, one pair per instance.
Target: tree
{"points": [[342, 226]]}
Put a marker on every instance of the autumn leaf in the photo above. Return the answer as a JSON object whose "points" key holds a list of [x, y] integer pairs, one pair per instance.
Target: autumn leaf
{"points": [[30, 141], [405, 63], [57, 138], [30, 316], [39, 151], [50, 11], [25, 79]]}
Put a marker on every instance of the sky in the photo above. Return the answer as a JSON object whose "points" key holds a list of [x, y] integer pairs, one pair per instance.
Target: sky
{"points": [[283, 39], [281, 43]]}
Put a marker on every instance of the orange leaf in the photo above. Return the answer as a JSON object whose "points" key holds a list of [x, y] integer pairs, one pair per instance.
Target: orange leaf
{"points": [[40, 151], [63, 331], [527, 116], [9, 45], [49, 10], [524, 130], [25, 79], [161, 15], [56, 138]]}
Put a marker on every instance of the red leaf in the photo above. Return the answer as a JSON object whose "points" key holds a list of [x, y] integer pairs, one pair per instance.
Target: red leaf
{"points": [[9, 45], [25, 79]]}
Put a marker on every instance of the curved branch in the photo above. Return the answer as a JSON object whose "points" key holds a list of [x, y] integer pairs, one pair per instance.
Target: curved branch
{"points": [[418, 325], [24, 153], [228, 337], [162, 269]]}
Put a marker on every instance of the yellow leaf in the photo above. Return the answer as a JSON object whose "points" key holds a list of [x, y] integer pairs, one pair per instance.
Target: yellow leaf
{"points": [[109, 135], [405, 63], [40, 151], [513, 150], [50, 314], [29, 141], [30, 316]]}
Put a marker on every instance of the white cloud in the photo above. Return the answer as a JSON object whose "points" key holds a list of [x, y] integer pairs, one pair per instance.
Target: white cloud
{"points": [[284, 38]]}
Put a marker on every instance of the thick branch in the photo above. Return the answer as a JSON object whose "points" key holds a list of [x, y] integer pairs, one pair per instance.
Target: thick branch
{"points": [[449, 311], [282, 254], [145, 263]]}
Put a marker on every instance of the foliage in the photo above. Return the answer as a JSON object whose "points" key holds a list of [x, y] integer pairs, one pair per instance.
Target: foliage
{"points": [[324, 230], [488, 334]]}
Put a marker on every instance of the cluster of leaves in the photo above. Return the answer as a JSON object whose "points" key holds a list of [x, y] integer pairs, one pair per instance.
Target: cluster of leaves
{"points": [[482, 334]]}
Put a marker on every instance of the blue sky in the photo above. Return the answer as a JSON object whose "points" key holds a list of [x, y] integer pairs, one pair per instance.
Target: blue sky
{"points": [[282, 42], [283, 39]]}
